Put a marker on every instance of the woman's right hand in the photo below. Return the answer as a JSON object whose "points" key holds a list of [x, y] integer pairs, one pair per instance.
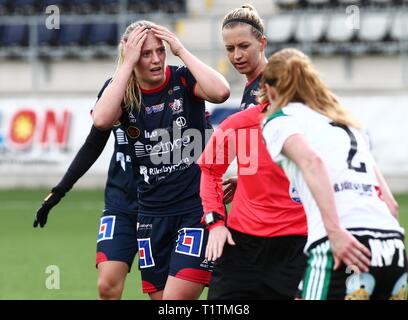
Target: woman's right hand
{"points": [[347, 249], [216, 241], [132, 47]]}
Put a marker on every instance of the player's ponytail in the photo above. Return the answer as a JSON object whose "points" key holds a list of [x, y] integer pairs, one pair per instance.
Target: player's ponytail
{"points": [[296, 80]]}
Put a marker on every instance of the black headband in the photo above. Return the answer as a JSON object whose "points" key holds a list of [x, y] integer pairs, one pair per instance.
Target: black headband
{"points": [[251, 23]]}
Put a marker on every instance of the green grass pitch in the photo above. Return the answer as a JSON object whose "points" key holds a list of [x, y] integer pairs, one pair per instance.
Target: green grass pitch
{"points": [[67, 241]]}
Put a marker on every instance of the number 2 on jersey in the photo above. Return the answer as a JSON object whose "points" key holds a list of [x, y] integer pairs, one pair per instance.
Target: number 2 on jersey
{"points": [[353, 148]]}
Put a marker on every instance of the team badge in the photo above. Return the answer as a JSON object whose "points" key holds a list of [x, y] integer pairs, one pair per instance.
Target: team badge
{"points": [[190, 241], [145, 253], [106, 228], [133, 132], [177, 106]]}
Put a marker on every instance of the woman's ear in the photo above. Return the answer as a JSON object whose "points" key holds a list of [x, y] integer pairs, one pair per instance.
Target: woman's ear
{"points": [[264, 42]]}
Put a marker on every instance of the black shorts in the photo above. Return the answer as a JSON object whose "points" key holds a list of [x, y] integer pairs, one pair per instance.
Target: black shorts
{"points": [[258, 268], [117, 238], [386, 279]]}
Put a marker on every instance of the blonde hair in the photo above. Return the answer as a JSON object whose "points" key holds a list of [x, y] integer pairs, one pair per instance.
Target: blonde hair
{"points": [[133, 95], [295, 79], [249, 15]]}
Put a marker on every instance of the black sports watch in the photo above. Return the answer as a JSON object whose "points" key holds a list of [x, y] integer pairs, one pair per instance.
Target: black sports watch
{"points": [[212, 217]]}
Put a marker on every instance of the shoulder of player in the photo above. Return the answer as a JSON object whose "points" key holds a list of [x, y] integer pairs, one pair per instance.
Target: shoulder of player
{"points": [[241, 119], [275, 115]]}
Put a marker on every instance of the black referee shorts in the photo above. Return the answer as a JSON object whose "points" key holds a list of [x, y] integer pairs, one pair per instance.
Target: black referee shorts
{"points": [[258, 268]]}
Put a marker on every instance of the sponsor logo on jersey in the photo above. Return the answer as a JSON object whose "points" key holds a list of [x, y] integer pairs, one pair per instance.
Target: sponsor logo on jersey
{"points": [[122, 158], [145, 253], [177, 106], [106, 228], [181, 122], [145, 150], [171, 91], [155, 109], [161, 172], [121, 136], [154, 133], [362, 188], [190, 241], [294, 195], [143, 171], [133, 132]]}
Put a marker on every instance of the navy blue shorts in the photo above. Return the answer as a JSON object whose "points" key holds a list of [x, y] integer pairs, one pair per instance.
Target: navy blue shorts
{"points": [[172, 246], [117, 237]]}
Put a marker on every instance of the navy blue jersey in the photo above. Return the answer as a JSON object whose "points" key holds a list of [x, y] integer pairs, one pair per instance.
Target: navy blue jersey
{"points": [[121, 189], [164, 146], [251, 93]]}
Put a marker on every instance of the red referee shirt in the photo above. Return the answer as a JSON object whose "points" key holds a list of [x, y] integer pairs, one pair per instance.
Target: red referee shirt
{"points": [[262, 205]]}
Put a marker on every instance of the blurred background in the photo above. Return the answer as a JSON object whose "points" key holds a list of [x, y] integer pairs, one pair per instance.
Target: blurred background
{"points": [[56, 55]]}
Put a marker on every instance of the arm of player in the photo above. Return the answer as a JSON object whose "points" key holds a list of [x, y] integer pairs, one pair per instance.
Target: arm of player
{"points": [[214, 162], [230, 187], [387, 196], [218, 154], [108, 108], [211, 85], [84, 159], [345, 246]]}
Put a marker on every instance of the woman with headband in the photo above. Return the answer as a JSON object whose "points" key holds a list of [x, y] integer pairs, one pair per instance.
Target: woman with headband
{"points": [[258, 247]]}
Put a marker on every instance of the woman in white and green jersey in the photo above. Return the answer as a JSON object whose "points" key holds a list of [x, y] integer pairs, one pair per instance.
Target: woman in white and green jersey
{"points": [[355, 243]]}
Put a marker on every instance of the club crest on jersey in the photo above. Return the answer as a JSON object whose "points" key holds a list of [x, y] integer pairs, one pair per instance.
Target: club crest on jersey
{"points": [[133, 132], [177, 106], [145, 253], [106, 228], [190, 241], [155, 109]]}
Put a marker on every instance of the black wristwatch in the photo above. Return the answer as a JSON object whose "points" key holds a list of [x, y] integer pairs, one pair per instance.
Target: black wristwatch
{"points": [[212, 217]]}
